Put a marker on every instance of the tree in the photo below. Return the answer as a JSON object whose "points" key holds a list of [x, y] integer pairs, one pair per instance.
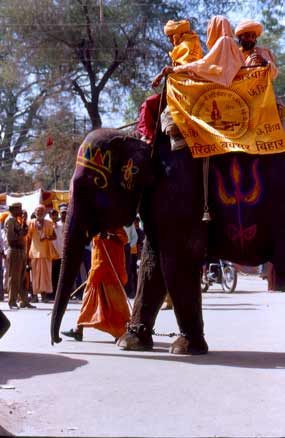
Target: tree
{"points": [[54, 149], [105, 53], [24, 89], [15, 180], [273, 12]]}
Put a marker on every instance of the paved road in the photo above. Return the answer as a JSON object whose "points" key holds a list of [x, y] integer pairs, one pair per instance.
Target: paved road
{"points": [[94, 389]]}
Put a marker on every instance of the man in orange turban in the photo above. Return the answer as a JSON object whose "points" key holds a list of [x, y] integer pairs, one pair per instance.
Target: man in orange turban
{"points": [[186, 45], [186, 48], [247, 32]]}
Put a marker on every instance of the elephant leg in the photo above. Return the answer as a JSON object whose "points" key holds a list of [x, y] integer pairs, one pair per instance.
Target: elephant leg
{"points": [[183, 283], [150, 295], [277, 271], [4, 324], [278, 277]]}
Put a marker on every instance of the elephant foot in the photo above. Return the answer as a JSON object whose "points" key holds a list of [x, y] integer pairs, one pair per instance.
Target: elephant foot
{"points": [[184, 345], [4, 324], [137, 338]]}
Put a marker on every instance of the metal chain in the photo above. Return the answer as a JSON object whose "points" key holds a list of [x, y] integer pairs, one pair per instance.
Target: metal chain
{"points": [[170, 335]]}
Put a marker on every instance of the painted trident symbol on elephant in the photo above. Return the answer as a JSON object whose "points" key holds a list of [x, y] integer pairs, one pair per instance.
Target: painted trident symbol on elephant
{"points": [[238, 197]]}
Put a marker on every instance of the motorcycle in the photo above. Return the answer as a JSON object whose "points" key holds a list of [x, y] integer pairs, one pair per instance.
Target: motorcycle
{"points": [[221, 272]]}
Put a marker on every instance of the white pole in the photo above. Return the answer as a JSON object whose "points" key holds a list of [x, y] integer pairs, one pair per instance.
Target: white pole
{"points": [[101, 11]]}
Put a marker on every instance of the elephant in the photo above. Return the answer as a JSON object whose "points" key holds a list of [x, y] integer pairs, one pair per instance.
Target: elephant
{"points": [[117, 175]]}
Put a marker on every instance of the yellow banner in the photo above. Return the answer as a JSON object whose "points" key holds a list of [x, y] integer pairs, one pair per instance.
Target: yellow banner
{"points": [[215, 119]]}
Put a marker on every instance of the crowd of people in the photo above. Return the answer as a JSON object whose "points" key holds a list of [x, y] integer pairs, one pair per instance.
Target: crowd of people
{"points": [[31, 250]]}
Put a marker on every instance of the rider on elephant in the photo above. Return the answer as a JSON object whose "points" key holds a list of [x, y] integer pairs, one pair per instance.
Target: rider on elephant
{"points": [[186, 45], [247, 32], [186, 48], [221, 63]]}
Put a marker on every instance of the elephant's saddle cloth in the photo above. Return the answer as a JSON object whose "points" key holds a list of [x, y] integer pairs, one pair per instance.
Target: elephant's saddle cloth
{"points": [[215, 119]]}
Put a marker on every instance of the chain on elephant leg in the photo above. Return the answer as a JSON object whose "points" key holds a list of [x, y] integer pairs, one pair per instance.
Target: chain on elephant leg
{"points": [[137, 338], [150, 295]]}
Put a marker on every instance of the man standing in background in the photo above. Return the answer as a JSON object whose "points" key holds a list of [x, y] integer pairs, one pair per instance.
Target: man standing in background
{"points": [[16, 256], [58, 244]]}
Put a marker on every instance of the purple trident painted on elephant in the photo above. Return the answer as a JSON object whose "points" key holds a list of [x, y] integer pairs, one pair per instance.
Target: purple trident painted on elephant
{"points": [[238, 197]]}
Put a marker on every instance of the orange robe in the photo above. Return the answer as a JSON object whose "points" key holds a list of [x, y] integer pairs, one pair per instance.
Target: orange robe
{"points": [[224, 59], [105, 304], [187, 49], [39, 254], [264, 53]]}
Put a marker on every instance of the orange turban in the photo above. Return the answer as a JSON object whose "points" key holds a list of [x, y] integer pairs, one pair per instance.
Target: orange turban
{"points": [[173, 27], [249, 26]]}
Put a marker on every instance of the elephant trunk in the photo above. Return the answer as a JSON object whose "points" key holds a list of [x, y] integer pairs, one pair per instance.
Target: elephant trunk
{"points": [[74, 244]]}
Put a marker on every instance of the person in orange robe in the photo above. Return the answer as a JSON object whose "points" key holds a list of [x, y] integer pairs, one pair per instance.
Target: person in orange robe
{"points": [[105, 306], [40, 234], [186, 45], [186, 49]]}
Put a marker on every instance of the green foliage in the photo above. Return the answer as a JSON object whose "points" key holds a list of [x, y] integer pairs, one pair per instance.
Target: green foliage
{"points": [[273, 19], [15, 180], [54, 150]]}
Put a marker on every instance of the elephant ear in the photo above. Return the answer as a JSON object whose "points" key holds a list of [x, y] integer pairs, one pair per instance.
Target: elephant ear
{"points": [[134, 170]]}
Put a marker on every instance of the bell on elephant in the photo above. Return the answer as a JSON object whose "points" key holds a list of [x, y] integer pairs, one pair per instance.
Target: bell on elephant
{"points": [[206, 216]]}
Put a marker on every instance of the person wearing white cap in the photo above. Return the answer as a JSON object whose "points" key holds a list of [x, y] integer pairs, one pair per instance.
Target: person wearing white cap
{"points": [[63, 212], [247, 32]]}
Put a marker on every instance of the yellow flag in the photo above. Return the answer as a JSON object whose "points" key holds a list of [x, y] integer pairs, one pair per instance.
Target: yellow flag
{"points": [[215, 119]]}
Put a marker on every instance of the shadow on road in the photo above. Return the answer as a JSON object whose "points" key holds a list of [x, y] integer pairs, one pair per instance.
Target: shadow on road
{"points": [[4, 432], [18, 365], [232, 306], [238, 359], [214, 292]]}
